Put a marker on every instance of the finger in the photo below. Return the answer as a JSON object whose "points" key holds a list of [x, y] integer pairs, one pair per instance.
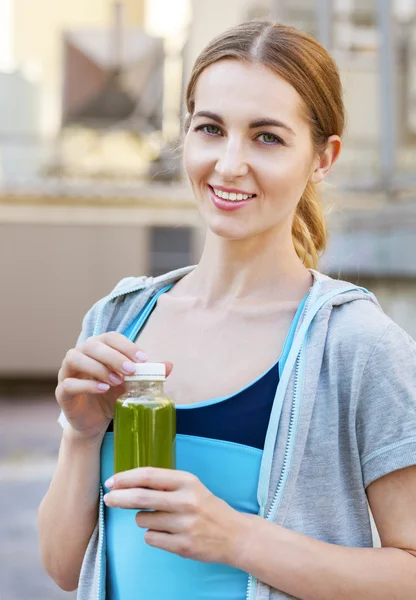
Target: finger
{"points": [[160, 521], [112, 358], [141, 498], [78, 363], [176, 544], [123, 345], [71, 387], [169, 367], [151, 477], [129, 349]]}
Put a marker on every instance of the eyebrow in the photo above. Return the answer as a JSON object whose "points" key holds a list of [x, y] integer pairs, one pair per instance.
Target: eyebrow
{"points": [[253, 125]]}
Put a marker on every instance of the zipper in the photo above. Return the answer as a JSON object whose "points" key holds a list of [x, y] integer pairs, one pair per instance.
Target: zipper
{"points": [[293, 420], [294, 414], [110, 299], [101, 533], [291, 430], [252, 581], [101, 523], [101, 526]]}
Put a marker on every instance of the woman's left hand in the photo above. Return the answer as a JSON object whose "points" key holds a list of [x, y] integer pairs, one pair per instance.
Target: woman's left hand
{"points": [[188, 519]]}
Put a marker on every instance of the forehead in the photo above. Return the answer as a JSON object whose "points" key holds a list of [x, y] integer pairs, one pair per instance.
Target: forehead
{"points": [[235, 88]]}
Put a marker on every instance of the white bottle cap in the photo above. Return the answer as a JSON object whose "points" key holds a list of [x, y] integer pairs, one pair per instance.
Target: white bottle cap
{"points": [[148, 372]]}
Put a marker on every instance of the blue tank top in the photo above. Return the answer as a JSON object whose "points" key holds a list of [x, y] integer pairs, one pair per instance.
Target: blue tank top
{"points": [[221, 442]]}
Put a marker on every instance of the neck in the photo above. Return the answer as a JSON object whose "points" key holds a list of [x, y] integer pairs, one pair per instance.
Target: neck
{"points": [[264, 267]]}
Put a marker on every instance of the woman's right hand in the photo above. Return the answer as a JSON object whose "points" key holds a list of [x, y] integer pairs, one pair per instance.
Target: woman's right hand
{"points": [[91, 379]]}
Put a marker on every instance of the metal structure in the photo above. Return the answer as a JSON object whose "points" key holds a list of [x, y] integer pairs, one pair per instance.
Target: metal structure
{"points": [[322, 17], [113, 78]]}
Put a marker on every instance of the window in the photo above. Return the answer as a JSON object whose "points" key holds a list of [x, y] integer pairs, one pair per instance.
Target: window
{"points": [[170, 248]]}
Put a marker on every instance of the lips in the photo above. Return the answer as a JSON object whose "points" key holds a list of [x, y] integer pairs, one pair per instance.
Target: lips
{"points": [[227, 205]]}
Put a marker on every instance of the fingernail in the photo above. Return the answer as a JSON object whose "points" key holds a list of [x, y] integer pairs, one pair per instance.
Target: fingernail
{"points": [[115, 379], [109, 483], [103, 387], [141, 355], [128, 367]]}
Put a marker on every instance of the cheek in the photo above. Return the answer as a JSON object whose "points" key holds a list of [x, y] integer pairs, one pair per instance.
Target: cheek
{"points": [[195, 160], [199, 157], [283, 173]]}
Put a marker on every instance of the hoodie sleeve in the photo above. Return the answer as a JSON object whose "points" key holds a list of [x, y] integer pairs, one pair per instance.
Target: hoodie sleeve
{"points": [[386, 412]]}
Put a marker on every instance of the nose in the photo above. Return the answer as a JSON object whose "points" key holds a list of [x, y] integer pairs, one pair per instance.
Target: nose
{"points": [[232, 163]]}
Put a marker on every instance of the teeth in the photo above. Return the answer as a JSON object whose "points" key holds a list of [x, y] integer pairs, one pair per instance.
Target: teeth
{"points": [[233, 197]]}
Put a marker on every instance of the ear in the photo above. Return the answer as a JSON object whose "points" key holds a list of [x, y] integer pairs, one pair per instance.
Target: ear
{"points": [[325, 161]]}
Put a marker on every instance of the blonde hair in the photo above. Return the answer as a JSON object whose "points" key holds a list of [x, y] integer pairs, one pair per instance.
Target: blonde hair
{"points": [[306, 65]]}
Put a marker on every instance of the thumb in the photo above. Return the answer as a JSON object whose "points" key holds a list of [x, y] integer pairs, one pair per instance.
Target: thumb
{"points": [[169, 367]]}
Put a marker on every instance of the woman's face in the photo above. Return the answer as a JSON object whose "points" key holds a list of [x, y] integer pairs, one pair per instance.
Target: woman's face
{"points": [[249, 142]]}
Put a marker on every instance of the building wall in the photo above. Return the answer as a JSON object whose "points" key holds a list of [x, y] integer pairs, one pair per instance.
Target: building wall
{"points": [[53, 271], [211, 18], [51, 275]]}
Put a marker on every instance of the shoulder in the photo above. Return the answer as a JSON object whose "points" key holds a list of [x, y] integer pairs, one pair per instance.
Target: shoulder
{"points": [[357, 325], [359, 319], [137, 284], [361, 335], [125, 286], [126, 298]]}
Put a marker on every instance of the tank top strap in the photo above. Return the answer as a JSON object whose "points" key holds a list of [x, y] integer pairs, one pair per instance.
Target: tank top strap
{"points": [[134, 328]]}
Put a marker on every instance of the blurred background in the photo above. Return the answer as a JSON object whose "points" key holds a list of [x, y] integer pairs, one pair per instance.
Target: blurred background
{"points": [[92, 190]]}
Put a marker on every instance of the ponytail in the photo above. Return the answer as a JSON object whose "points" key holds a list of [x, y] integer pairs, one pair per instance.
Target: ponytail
{"points": [[309, 231]]}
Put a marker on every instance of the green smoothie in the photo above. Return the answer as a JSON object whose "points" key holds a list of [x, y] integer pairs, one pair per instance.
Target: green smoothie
{"points": [[144, 433]]}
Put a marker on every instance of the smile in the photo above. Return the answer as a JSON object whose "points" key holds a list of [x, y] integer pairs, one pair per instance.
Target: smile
{"points": [[231, 196]]}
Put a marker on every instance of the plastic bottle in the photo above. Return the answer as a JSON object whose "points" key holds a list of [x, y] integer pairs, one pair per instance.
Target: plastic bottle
{"points": [[145, 421]]}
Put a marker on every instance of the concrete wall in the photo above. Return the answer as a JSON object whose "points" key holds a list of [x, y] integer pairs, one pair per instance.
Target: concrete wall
{"points": [[51, 275]]}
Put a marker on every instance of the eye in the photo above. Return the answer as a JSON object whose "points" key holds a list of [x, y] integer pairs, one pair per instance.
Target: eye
{"points": [[270, 139], [208, 129]]}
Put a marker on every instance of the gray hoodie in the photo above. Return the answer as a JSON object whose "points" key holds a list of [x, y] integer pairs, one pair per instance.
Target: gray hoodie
{"points": [[343, 416]]}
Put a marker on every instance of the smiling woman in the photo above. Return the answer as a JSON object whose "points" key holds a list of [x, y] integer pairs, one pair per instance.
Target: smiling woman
{"points": [[302, 112], [294, 392], [264, 143]]}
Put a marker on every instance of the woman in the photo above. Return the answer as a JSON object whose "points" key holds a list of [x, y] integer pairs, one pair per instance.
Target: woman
{"points": [[299, 380]]}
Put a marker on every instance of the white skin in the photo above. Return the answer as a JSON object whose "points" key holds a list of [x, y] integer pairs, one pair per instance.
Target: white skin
{"points": [[248, 253]]}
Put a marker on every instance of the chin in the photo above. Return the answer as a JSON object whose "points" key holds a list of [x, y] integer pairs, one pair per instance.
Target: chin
{"points": [[231, 226], [229, 231]]}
